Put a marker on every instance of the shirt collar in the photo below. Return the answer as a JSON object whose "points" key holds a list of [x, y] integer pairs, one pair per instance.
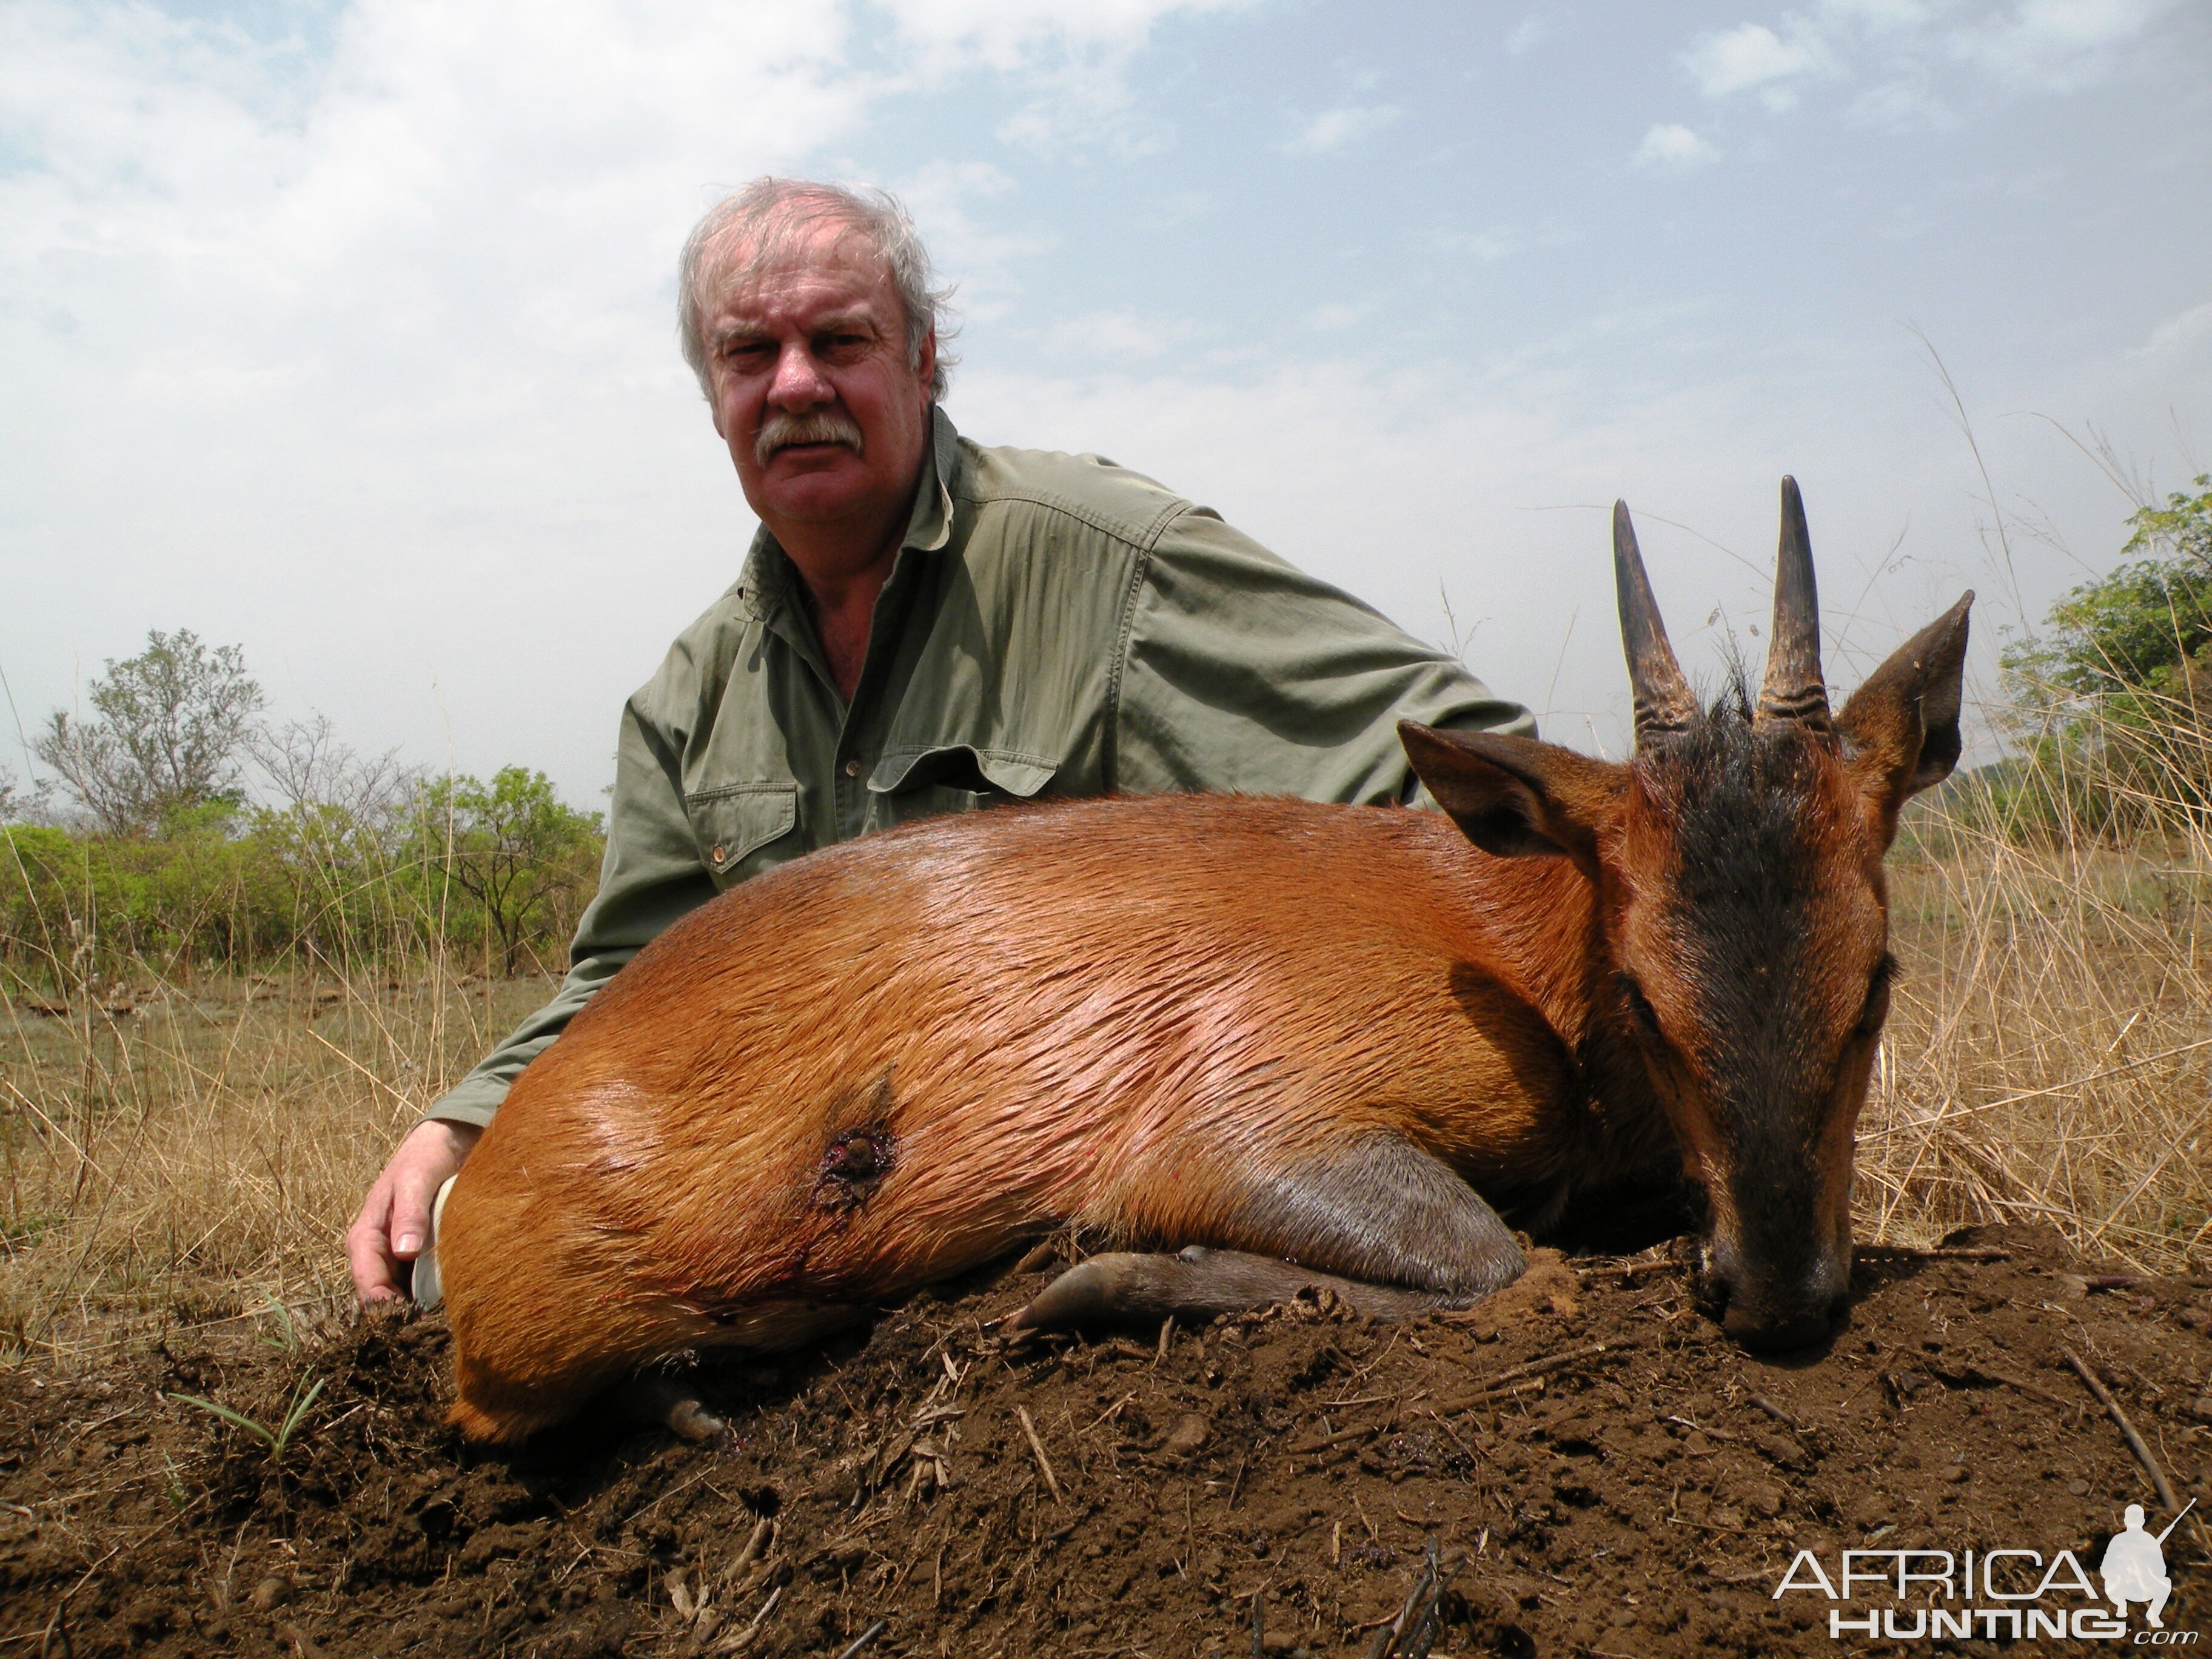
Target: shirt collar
{"points": [[769, 573]]}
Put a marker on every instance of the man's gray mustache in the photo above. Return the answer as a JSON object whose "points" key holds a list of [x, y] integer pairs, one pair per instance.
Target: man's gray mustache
{"points": [[784, 430]]}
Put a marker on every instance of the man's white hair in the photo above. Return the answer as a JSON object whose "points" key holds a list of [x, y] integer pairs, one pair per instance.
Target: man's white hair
{"points": [[744, 231]]}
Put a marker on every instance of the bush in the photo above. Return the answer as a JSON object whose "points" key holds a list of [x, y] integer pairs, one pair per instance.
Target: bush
{"points": [[2111, 710], [498, 873]]}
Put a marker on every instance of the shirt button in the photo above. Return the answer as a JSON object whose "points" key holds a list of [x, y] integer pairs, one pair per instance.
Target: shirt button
{"points": [[852, 768], [720, 854]]}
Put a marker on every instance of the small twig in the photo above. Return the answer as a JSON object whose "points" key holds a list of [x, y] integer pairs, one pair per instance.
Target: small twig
{"points": [[2127, 1430], [2092, 1284], [1472, 1452], [865, 1637], [1777, 1412], [1943, 1252], [760, 1618], [1037, 1446], [1167, 1335], [756, 1546], [1413, 1633], [1985, 1374], [1550, 1363], [1699, 1428], [1497, 1385], [1336, 1440], [1109, 1411], [54, 1626], [1623, 1270]]}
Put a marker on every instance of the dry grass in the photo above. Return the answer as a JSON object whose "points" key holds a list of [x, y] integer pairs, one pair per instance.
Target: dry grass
{"points": [[203, 1152], [2048, 1048], [2046, 1057]]}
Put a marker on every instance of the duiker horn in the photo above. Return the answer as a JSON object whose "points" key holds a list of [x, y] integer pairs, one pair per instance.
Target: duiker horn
{"points": [[1664, 706], [1794, 689]]}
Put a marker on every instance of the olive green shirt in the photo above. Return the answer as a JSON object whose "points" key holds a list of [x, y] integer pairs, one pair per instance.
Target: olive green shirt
{"points": [[1053, 625]]}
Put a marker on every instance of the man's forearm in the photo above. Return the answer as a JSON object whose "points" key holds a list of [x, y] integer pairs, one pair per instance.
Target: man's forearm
{"points": [[476, 1098]]}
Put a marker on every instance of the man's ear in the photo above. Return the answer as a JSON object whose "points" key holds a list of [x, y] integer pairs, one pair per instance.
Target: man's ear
{"points": [[1515, 797], [1900, 730]]}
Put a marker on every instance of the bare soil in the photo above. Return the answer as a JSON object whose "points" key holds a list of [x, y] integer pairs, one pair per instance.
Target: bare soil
{"points": [[1627, 1482]]}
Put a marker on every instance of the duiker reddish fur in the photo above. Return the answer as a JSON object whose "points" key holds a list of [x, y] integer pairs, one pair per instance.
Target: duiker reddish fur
{"points": [[1313, 1040]]}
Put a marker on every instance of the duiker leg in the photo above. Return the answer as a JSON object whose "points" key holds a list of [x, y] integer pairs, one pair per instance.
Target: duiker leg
{"points": [[1382, 1223]]}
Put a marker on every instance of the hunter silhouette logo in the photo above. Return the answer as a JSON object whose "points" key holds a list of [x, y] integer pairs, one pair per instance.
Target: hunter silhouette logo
{"points": [[2016, 1595], [2134, 1567]]}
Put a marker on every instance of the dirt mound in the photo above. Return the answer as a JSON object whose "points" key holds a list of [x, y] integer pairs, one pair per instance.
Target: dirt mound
{"points": [[1583, 1465]]}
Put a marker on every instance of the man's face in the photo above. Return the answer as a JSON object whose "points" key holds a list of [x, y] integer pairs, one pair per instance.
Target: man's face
{"points": [[825, 418]]}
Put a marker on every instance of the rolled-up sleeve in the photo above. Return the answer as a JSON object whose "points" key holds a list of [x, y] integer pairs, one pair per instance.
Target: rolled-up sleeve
{"points": [[1242, 673], [651, 876]]}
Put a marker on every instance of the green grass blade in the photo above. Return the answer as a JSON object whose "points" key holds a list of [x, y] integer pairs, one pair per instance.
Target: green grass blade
{"points": [[229, 1416]]}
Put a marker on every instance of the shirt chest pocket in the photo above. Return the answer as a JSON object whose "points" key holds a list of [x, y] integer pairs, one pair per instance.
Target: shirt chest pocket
{"points": [[737, 820], [918, 782]]}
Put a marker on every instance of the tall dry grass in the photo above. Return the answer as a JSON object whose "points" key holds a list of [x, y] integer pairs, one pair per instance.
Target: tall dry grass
{"points": [[2046, 1058], [197, 1151], [2049, 1051]]}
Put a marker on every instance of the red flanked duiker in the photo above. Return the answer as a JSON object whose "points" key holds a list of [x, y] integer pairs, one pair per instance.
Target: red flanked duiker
{"points": [[1264, 1044]]}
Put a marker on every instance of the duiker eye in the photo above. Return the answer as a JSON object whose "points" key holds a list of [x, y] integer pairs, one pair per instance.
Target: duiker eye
{"points": [[1638, 1004], [1877, 997]]}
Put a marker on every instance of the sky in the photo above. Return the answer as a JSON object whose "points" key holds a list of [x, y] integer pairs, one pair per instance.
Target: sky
{"points": [[344, 332]]}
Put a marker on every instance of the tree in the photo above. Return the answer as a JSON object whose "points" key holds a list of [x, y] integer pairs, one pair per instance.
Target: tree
{"points": [[2149, 624], [19, 802], [2117, 697], [510, 845], [174, 722]]}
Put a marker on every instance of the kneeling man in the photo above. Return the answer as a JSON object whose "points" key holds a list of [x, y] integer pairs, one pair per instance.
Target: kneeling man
{"points": [[924, 626]]}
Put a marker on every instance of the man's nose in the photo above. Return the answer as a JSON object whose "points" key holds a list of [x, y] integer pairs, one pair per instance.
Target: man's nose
{"points": [[799, 382]]}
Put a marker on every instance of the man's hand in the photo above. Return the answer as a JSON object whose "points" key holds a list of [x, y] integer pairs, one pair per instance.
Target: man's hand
{"points": [[394, 1223]]}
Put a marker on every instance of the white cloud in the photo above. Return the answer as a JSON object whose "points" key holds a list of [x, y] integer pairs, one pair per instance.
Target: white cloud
{"points": [[1528, 33], [379, 327], [1075, 58], [1498, 242], [1877, 16], [1669, 147], [1114, 338], [2177, 333], [944, 197], [1333, 129], [954, 36], [2055, 46], [1901, 106], [1332, 317], [1752, 57], [1907, 47]]}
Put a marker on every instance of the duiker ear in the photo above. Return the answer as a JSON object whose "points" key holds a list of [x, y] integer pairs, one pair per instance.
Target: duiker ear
{"points": [[1900, 730], [1515, 796]]}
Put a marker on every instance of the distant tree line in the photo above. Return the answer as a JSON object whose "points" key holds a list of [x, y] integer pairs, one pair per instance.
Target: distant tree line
{"points": [[180, 831], [150, 848], [2111, 707]]}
